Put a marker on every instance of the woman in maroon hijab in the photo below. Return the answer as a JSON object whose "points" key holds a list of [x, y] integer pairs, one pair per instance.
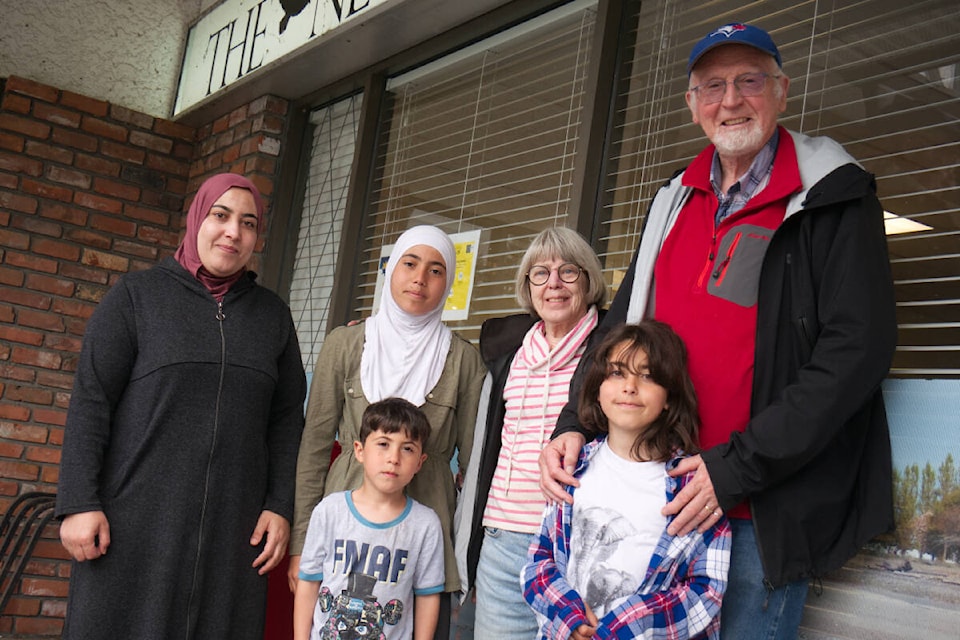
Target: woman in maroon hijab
{"points": [[177, 474]]}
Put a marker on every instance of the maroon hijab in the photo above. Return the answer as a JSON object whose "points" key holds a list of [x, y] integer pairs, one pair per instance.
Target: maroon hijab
{"points": [[187, 253]]}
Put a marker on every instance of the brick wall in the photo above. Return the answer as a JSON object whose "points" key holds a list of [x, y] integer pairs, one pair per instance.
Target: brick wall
{"points": [[88, 191]]}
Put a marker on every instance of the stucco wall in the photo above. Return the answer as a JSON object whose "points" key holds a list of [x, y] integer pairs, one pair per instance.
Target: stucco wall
{"points": [[125, 53]]}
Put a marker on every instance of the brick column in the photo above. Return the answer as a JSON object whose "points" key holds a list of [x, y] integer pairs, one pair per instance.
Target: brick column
{"points": [[88, 191], [248, 141]]}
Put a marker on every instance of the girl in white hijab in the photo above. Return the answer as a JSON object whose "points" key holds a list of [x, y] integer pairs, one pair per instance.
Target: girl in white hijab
{"points": [[403, 354], [404, 350]]}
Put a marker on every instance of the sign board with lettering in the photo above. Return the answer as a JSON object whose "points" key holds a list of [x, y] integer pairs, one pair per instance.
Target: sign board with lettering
{"points": [[242, 37]]}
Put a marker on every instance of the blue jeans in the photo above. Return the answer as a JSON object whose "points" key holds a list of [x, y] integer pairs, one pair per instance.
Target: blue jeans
{"points": [[502, 613], [749, 610]]}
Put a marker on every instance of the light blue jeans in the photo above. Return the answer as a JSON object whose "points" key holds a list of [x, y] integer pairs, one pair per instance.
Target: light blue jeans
{"points": [[502, 613], [749, 610]]}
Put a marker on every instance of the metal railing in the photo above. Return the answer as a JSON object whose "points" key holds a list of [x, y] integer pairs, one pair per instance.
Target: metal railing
{"points": [[20, 530]]}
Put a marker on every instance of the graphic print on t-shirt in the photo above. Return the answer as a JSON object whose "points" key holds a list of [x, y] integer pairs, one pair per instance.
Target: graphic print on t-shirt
{"points": [[356, 614], [600, 535], [369, 572], [613, 533]]}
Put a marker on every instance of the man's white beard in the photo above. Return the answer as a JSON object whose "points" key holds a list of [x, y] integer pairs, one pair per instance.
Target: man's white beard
{"points": [[743, 140]]}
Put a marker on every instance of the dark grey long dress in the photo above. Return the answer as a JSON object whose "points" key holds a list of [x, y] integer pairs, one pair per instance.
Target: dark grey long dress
{"points": [[183, 427]]}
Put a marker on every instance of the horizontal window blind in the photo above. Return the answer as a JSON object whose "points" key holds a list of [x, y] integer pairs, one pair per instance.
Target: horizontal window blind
{"points": [[324, 201], [878, 76], [483, 139]]}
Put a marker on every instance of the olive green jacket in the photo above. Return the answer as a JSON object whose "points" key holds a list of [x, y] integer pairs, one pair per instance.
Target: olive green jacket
{"points": [[335, 407]]}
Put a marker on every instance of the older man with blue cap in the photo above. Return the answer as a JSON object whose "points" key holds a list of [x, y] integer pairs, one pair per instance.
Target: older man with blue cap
{"points": [[767, 254]]}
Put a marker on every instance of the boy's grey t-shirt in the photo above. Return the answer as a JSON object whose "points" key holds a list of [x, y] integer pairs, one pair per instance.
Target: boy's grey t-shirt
{"points": [[370, 571]]}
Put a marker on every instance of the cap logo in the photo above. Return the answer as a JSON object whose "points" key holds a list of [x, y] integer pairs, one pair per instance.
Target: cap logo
{"points": [[728, 30], [734, 33]]}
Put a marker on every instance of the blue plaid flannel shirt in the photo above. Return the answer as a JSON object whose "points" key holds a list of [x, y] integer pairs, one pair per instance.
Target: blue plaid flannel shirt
{"points": [[679, 597]]}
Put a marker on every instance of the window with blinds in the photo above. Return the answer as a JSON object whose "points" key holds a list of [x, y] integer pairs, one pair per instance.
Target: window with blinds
{"points": [[324, 200], [880, 77], [483, 139]]}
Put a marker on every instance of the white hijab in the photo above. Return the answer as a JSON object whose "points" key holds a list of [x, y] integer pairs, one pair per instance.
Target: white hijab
{"points": [[403, 354]]}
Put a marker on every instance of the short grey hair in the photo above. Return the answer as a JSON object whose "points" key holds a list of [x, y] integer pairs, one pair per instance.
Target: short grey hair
{"points": [[567, 245]]}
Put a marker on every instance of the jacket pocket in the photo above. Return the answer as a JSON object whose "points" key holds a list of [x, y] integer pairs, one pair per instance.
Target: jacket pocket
{"points": [[736, 269]]}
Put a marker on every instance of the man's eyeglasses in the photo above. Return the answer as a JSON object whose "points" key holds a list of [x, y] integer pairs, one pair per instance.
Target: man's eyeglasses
{"points": [[568, 273], [748, 84]]}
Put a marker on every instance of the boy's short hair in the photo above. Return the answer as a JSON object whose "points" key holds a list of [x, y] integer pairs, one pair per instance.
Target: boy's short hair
{"points": [[392, 415]]}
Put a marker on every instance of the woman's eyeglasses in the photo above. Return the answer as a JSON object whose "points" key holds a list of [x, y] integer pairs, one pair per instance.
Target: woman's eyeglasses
{"points": [[568, 273]]}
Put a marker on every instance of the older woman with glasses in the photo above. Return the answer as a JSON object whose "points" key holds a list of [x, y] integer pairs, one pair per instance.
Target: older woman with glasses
{"points": [[531, 358]]}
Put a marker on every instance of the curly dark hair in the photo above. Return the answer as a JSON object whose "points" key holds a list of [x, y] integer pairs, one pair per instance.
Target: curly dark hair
{"points": [[677, 427]]}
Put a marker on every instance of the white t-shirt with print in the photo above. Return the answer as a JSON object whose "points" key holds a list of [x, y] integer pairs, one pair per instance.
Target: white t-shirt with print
{"points": [[616, 526], [370, 572]]}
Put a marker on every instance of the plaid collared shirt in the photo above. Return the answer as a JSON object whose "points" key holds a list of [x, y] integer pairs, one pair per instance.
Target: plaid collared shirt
{"points": [[679, 597], [749, 183]]}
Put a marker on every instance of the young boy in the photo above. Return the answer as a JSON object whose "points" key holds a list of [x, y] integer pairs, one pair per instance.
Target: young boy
{"points": [[376, 553]]}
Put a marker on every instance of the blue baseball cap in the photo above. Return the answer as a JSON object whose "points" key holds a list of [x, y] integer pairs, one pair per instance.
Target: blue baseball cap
{"points": [[735, 33]]}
